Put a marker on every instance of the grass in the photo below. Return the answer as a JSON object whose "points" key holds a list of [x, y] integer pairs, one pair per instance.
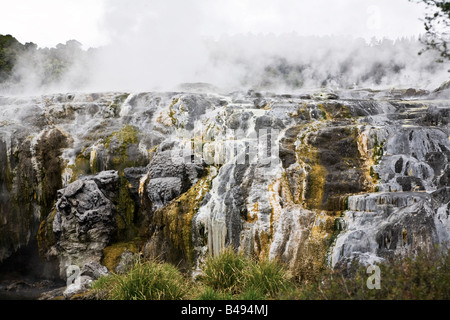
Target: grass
{"points": [[209, 293], [232, 276], [267, 278], [146, 280], [225, 272], [424, 277], [225, 277], [244, 278]]}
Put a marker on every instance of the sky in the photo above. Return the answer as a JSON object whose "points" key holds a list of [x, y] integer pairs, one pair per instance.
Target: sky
{"points": [[157, 44], [98, 22]]}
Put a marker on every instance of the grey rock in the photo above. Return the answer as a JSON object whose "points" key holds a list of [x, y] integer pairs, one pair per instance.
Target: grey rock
{"points": [[260, 103], [94, 270], [266, 122], [359, 140], [84, 223], [52, 294], [127, 259], [379, 226], [170, 176], [441, 196], [81, 285], [134, 176], [167, 164], [162, 190]]}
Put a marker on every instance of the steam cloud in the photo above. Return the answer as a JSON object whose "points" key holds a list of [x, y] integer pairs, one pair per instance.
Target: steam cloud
{"points": [[154, 47]]}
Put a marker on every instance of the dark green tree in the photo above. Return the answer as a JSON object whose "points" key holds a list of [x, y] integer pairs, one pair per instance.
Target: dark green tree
{"points": [[10, 49], [45, 66]]}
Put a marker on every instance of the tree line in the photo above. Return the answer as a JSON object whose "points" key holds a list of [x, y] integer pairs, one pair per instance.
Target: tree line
{"points": [[23, 62]]}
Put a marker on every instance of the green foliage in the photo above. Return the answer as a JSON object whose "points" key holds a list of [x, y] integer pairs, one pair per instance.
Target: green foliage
{"points": [[103, 287], [252, 293], [225, 277], [146, 280], [225, 272], [424, 277], [267, 278], [10, 49], [244, 278], [210, 294], [230, 276], [46, 65]]}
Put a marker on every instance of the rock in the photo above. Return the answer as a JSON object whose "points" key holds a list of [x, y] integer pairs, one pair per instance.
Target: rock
{"points": [[90, 272], [412, 92], [347, 175], [371, 202], [435, 116], [379, 226], [52, 294], [410, 183], [163, 190], [170, 176], [18, 285], [260, 103], [189, 108], [134, 176], [94, 270], [326, 96], [81, 285], [444, 86], [441, 196], [270, 123], [444, 180], [84, 223], [126, 261], [107, 182], [167, 164]]}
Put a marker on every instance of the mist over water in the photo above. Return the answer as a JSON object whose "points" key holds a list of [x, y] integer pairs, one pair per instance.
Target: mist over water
{"points": [[154, 45]]}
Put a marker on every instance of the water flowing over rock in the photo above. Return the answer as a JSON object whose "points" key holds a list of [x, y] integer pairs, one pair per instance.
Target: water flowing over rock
{"points": [[312, 179]]}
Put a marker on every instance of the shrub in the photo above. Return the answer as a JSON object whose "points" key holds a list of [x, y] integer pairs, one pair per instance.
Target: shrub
{"points": [[266, 277], [252, 293], [225, 272], [247, 279], [210, 294], [233, 276], [423, 277], [144, 281]]}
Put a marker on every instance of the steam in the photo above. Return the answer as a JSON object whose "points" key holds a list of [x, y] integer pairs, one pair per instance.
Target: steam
{"points": [[50, 69], [289, 61], [154, 45]]}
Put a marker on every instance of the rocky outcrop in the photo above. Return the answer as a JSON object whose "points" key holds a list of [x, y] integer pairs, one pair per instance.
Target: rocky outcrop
{"points": [[384, 225], [84, 222], [313, 179], [170, 176], [90, 272]]}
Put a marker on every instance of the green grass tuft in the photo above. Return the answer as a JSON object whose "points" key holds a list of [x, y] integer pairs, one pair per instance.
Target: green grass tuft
{"points": [[243, 277], [266, 277], [144, 281], [224, 272]]}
